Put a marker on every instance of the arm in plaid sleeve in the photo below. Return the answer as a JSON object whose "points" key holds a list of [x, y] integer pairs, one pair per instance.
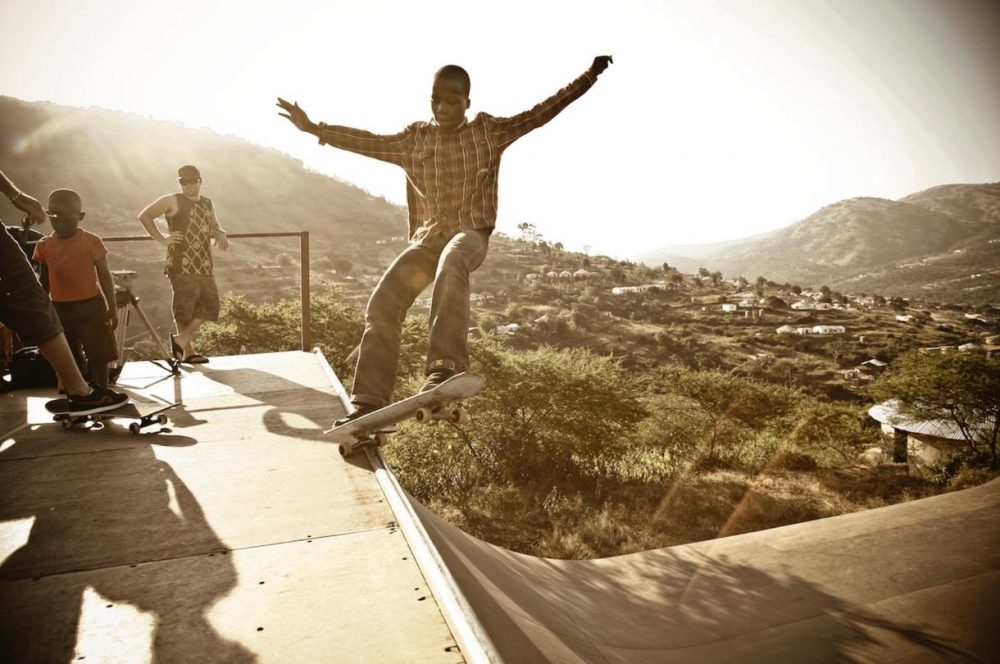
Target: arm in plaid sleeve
{"points": [[390, 148], [516, 126]]}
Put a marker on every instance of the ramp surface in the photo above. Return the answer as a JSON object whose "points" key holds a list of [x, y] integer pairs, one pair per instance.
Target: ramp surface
{"points": [[916, 582], [242, 536], [239, 536]]}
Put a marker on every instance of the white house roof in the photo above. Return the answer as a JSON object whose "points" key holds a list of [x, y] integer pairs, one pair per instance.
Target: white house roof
{"points": [[888, 413]]}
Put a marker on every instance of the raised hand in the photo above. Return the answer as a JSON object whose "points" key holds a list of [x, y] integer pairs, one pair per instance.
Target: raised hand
{"points": [[296, 116], [601, 63]]}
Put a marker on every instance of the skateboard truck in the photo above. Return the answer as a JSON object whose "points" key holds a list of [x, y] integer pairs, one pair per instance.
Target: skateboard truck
{"points": [[129, 411], [432, 406]]}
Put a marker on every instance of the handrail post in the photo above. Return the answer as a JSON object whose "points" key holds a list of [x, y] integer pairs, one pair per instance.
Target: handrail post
{"points": [[304, 290]]}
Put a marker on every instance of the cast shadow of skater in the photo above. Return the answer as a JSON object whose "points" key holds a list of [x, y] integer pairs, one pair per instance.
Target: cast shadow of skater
{"points": [[314, 410], [120, 522]]}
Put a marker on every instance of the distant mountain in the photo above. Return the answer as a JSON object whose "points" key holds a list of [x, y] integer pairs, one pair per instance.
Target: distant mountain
{"points": [[120, 162], [938, 244]]}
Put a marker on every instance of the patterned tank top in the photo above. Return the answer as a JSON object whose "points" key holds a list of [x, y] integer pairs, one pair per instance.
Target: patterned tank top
{"points": [[194, 254]]}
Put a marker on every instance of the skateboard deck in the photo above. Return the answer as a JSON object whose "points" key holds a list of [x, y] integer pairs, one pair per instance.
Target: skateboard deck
{"points": [[142, 414], [441, 403]]}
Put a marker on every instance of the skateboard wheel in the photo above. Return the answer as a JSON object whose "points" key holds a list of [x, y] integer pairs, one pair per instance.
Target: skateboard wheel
{"points": [[423, 415], [346, 449], [459, 416], [161, 419], [66, 424], [133, 428]]}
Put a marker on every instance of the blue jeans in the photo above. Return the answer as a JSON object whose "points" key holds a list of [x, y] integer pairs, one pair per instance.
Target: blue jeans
{"points": [[448, 264]]}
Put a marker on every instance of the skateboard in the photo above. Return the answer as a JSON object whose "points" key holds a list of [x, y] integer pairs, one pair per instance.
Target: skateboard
{"points": [[142, 414], [440, 403]]}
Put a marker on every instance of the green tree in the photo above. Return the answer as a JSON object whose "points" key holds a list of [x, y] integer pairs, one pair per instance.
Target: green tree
{"points": [[734, 410], [544, 418], [244, 327], [961, 387]]}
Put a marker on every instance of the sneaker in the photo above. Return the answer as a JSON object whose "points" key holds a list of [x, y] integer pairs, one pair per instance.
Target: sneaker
{"points": [[98, 401], [360, 409], [435, 378]]}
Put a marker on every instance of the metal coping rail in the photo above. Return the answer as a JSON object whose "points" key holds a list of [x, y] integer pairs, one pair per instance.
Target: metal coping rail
{"points": [[304, 289], [474, 643]]}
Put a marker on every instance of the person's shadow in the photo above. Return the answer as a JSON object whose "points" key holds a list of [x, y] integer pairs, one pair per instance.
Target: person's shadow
{"points": [[117, 520]]}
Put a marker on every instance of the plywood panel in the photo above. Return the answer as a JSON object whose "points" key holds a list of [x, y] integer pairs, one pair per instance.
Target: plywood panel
{"points": [[351, 598]]}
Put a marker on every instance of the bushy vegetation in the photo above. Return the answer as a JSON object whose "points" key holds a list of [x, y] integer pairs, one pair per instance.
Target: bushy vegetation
{"points": [[961, 388], [616, 423]]}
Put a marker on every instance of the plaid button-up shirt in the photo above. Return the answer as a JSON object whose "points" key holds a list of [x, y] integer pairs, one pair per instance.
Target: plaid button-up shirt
{"points": [[451, 175]]}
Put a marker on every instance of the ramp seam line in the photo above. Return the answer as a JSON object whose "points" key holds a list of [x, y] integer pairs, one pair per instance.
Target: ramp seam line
{"points": [[167, 559]]}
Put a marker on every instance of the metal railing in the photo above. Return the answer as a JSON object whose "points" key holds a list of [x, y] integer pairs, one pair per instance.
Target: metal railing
{"points": [[304, 293]]}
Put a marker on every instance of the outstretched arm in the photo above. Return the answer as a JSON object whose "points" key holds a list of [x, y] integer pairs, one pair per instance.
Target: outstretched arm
{"points": [[517, 126], [389, 148]]}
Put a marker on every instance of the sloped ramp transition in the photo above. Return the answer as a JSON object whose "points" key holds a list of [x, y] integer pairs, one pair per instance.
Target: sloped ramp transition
{"points": [[908, 583], [913, 582]]}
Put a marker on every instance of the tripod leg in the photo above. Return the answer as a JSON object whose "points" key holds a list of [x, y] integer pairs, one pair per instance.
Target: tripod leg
{"points": [[149, 327], [172, 363]]}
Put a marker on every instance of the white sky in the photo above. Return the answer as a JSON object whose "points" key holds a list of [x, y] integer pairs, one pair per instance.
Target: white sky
{"points": [[718, 120]]}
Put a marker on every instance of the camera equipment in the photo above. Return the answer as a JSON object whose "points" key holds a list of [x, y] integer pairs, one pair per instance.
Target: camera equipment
{"points": [[126, 301]]}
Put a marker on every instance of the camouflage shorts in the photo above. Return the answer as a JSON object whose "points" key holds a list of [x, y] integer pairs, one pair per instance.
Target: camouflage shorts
{"points": [[194, 297]]}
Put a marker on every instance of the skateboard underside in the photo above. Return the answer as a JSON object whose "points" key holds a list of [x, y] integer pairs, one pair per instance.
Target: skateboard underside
{"points": [[441, 403]]}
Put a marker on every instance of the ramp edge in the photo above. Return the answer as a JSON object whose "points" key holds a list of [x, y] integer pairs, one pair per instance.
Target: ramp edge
{"points": [[473, 641]]}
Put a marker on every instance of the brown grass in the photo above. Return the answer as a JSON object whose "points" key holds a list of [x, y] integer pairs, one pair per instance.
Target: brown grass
{"points": [[702, 506]]}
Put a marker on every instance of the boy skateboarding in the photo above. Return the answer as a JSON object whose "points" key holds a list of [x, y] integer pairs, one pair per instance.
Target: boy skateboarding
{"points": [[452, 167]]}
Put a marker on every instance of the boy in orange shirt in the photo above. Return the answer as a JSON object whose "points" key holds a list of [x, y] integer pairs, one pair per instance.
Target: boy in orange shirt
{"points": [[75, 271]]}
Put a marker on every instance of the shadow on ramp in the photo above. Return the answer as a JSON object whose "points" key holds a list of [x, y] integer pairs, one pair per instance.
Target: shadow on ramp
{"points": [[107, 524], [913, 582]]}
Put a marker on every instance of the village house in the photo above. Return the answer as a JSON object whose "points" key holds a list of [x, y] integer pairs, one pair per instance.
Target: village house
{"points": [[509, 329], [918, 443], [829, 329], [621, 290], [873, 367], [729, 308]]}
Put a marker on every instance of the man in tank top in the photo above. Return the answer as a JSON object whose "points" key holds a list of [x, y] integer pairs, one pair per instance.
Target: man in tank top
{"points": [[192, 227]]}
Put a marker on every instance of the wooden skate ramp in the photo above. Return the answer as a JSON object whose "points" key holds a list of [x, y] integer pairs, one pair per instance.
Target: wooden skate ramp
{"points": [[916, 582], [239, 536], [242, 536]]}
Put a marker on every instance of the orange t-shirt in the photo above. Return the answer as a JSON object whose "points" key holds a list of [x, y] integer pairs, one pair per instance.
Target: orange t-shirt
{"points": [[72, 275]]}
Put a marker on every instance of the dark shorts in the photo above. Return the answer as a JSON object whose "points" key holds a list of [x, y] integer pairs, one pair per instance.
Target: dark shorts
{"points": [[194, 297], [86, 324], [25, 307]]}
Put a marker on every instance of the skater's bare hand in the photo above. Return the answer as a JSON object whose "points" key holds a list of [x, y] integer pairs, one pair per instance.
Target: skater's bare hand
{"points": [[601, 63], [112, 319], [221, 239], [296, 116]]}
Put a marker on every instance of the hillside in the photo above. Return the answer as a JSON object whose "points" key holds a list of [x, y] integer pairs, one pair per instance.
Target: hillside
{"points": [[939, 244], [121, 162]]}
